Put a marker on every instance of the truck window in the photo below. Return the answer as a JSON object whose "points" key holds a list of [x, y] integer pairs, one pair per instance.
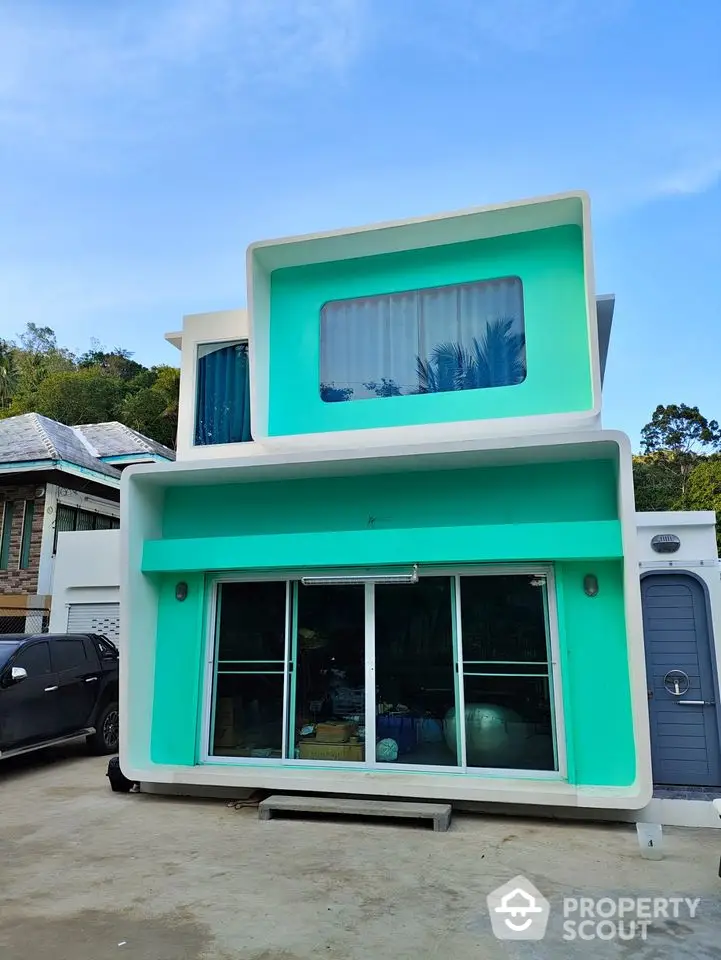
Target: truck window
{"points": [[35, 659], [68, 653]]}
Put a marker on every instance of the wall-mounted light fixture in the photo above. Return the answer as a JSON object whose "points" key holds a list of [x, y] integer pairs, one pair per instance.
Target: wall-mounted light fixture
{"points": [[665, 543], [181, 590], [348, 579], [590, 585]]}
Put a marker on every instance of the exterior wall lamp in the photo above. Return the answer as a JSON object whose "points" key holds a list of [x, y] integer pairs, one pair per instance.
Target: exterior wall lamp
{"points": [[590, 585]]}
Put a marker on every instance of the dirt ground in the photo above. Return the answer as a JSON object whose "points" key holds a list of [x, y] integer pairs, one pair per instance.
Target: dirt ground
{"points": [[86, 874]]}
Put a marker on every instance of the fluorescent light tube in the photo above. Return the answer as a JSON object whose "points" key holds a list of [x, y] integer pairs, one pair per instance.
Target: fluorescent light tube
{"points": [[349, 579]]}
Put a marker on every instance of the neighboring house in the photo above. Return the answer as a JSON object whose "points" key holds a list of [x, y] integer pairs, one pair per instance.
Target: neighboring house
{"points": [[398, 553], [55, 478]]}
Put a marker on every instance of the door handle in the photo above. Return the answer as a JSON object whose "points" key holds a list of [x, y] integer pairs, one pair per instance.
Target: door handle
{"points": [[50, 689], [90, 679], [697, 703]]}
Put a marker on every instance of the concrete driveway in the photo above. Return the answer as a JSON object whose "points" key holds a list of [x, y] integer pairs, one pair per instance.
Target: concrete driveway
{"points": [[86, 874]]}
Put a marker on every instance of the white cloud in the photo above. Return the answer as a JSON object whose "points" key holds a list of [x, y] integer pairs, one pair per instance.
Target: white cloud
{"points": [[61, 75], [693, 179]]}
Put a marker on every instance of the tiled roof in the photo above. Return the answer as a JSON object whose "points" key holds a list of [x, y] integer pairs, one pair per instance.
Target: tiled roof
{"points": [[114, 439], [31, 437]]}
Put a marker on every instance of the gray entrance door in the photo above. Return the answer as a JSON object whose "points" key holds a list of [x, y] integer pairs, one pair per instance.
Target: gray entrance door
{"points": [[684, 725]]}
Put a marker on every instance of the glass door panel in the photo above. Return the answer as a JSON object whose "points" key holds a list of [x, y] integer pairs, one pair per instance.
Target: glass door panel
{"points": [[415, 673], [506, 673], [327, 720], [247, 719]]}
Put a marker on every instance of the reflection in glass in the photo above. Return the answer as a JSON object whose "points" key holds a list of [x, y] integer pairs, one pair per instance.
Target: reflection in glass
{"points": [[415, 675], [330, 674], [508, 704], [248, 711]]}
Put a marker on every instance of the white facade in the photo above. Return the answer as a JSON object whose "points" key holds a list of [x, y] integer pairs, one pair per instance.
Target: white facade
{"points": [[251, 325], [87, 575], [218, 327], [697, 553], [415, 233]]}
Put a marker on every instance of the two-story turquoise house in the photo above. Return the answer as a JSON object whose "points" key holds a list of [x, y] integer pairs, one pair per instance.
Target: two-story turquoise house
{"points": [[396, 554]]}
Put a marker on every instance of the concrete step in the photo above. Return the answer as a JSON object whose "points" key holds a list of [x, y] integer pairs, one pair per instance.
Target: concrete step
{"points": [[439, 813]]}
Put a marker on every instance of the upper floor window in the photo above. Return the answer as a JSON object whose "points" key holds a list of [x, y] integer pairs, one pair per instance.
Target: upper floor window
{"points": [[465, 336], [73, 518], [222, 408]]}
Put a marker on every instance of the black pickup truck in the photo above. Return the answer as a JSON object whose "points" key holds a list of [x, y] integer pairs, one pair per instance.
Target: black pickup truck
{"points": [[55, 688]]}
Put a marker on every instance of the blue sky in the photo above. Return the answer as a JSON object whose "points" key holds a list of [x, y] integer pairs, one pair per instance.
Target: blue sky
{"points": [[144, 144]]}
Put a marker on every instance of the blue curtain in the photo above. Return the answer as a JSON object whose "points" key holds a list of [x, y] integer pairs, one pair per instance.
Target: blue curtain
{"points": [[223, 398]]}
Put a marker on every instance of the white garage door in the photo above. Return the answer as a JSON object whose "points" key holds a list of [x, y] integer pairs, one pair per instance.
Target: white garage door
{"points": [[95, 618]]}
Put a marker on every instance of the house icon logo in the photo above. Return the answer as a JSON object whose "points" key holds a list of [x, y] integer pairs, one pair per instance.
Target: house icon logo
{"points": [[518, 911]]}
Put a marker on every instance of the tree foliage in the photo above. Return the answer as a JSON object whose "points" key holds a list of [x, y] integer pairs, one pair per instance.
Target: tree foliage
{"points": [[679, 468], [38, 376], [680, 429]]}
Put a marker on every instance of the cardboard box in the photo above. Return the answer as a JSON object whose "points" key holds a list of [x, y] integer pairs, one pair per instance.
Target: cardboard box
{"points": [[318, 750], [334, 731]]}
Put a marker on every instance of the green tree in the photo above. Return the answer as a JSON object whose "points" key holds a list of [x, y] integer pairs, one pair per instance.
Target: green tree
{"points": [[656, 486], [8, 375], [704, 489], [153, 410], [79, 396], [118, 362], [677, 437], [36, 357], [37, 375], [144, 412]]}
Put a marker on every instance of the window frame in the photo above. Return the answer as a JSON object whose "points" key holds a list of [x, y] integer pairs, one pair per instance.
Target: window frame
{"points": [[6, 533], [211, 346], [26, 535], [30, 646], [57, 642], [546, 570], [418, 292]]}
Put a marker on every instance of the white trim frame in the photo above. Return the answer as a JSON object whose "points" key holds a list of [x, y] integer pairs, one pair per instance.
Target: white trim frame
{"points": [[142, 491], [223, 326], [371, 763], [518, 216]]}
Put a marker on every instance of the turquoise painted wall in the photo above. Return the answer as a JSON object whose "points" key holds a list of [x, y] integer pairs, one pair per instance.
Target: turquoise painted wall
{"points": [[550, 265], [437, 508], [532, 493], [594, 661], [444, 516], [178, 672]]}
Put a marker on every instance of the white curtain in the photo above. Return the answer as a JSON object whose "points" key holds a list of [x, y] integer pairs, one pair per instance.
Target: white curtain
{"points": [[378, 340]]}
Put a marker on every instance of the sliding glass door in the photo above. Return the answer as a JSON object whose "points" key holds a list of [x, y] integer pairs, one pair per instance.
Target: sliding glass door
{"points": [[250, 670], [328, 700], [450, 671], [415, 673], [508, 703]]}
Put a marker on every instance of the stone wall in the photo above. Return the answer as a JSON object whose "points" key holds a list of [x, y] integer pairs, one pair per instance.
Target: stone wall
{"points": [[12, 579]]}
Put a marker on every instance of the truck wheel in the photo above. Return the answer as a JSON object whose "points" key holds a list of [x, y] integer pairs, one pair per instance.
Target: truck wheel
{"points": [[107, 730]]}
